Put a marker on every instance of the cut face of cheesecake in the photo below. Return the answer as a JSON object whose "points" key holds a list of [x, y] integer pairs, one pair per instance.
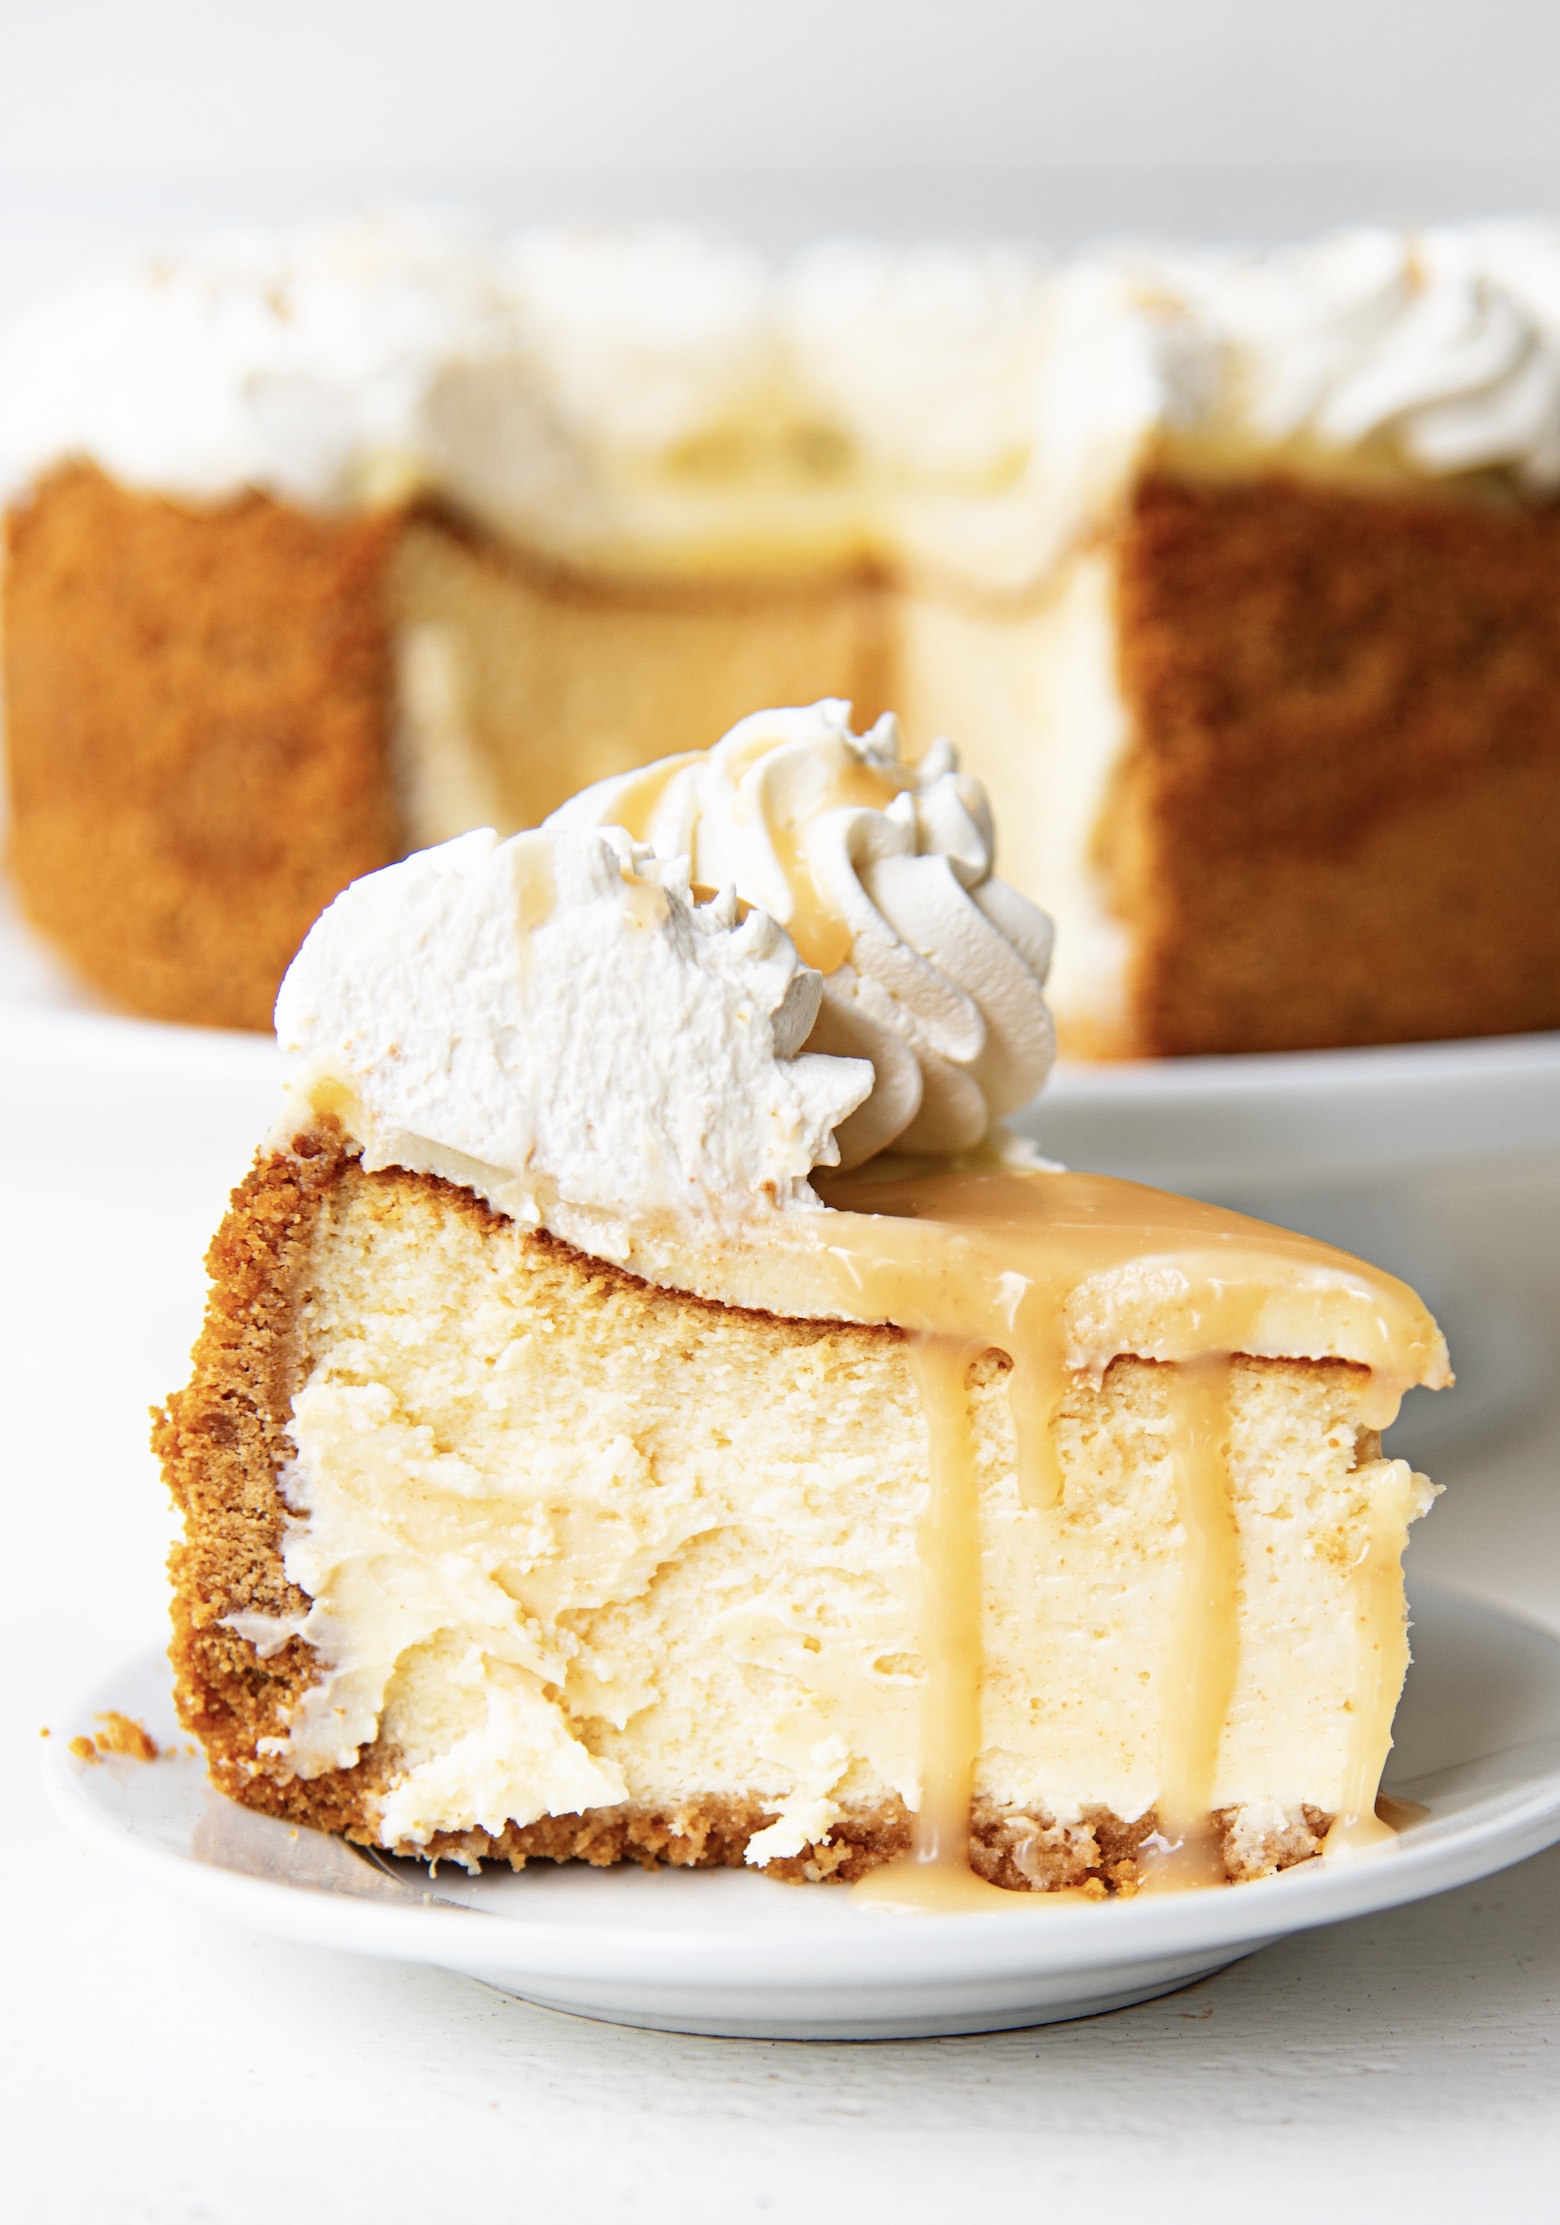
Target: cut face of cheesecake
{"points": [[520, 681], [495, 1549], [1234, 577], [1259, 750]]}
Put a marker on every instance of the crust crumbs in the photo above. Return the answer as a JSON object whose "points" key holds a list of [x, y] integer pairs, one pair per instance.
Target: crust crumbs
{"points": [[122, 1734]]}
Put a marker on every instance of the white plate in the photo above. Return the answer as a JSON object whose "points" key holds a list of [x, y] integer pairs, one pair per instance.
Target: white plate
{"points": [[1478, 1741]]}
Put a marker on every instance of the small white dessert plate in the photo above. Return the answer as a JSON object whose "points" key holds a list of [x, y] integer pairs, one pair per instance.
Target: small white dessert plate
{"points": [[1478, 1743]]}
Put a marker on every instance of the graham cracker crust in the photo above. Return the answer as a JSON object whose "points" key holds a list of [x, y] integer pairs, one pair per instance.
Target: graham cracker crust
{"points": [[1021, 1850], [1339, 818], [198, 707]]}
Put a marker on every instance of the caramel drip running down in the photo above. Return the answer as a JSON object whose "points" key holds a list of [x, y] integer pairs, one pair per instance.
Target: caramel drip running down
{"points": [[1399, 1815], [819, 930], [937, 1875], [1204, 1650], [970, 1262], [1383, 1642], [950, 1554]]}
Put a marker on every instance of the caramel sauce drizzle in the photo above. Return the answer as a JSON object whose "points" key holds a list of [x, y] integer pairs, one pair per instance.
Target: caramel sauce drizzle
{"points": [[1204, 1651], [1399, 1815], [816, 926], [950, 1544], [821, 932], [937, 1873], [996, 1259]]}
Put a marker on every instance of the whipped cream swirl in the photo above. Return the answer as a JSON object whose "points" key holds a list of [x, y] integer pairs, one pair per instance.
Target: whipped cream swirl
{"points": [[881, 873], [1416, 343], [555, 1022], [300, 363]]}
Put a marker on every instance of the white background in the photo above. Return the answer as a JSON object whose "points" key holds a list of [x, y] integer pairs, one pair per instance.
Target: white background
{"points": [[128, 118], [676, 84], [158, 2067]]}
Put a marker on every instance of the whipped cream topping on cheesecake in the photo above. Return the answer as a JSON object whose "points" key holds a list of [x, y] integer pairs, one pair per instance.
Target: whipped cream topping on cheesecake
{"points": [[563, 1012], [1411, 347], [881, 873], [558, 1018], [298, 363], [597, 1042], [1370, 357], [651, 396]]}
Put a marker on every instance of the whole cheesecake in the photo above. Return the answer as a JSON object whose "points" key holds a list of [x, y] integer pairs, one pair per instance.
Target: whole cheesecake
{"points": [[1236, 576], [623, 1429]]}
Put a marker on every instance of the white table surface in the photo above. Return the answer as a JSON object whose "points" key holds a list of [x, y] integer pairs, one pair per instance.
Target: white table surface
{"points": [[159, 2066]]}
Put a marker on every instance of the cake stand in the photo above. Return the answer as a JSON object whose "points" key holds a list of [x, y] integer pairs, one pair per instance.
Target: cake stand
{"points": [[1340, 1144]]}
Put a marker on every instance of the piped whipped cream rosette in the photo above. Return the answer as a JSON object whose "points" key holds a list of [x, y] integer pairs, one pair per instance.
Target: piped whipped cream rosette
{"points": [[1413, 347], [881, 874], [555, 1022]]}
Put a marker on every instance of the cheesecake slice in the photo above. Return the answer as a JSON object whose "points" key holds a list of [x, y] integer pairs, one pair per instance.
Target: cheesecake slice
{"points": [[579, 1461], [494, 1549]]}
